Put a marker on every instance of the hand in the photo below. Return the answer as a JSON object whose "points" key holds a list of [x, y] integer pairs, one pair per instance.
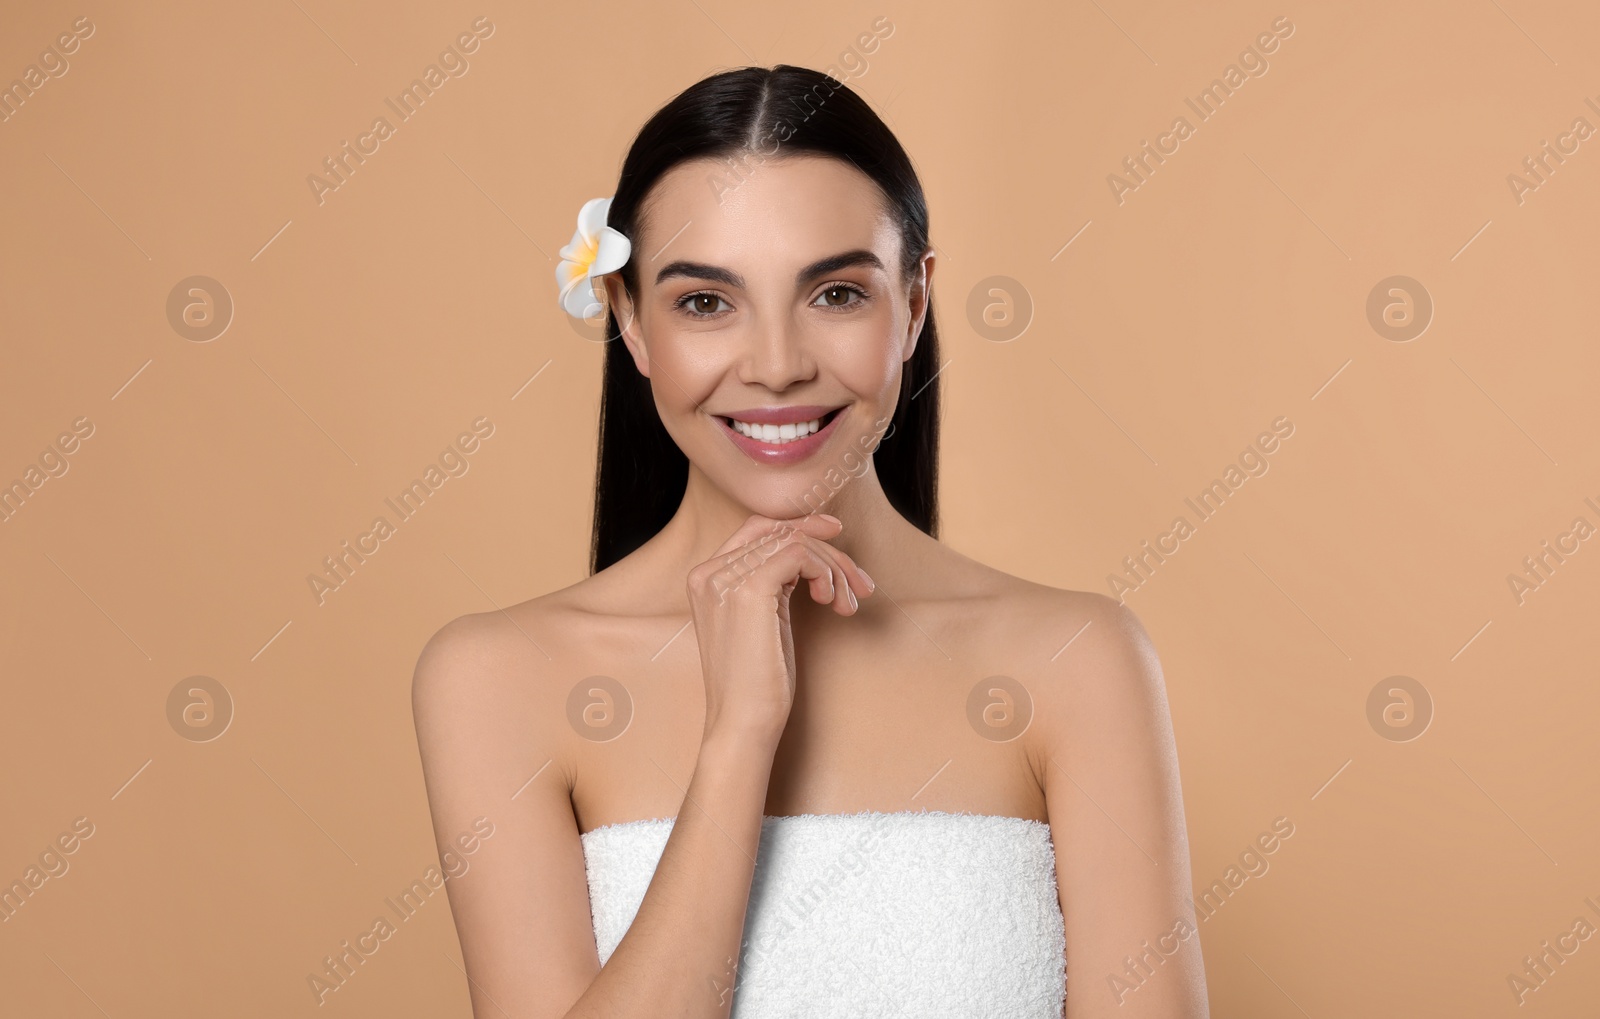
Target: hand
{"points": [[739, 601]]}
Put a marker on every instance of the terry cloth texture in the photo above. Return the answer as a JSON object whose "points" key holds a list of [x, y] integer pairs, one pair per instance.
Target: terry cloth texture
{"points": [[924, 913]]}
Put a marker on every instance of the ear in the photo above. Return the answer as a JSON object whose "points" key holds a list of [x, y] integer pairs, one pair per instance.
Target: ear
{"points": [[921, 284], [621, 304]]}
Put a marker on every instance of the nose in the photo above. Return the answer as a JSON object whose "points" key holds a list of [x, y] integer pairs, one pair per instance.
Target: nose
{"points": [[776, 355]]}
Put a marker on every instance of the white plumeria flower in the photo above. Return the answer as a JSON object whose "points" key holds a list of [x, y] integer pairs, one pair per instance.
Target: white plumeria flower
{"points": [[596, 249]]}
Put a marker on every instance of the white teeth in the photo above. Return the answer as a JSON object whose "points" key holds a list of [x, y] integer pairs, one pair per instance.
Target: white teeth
{"points": [[777, 434]]}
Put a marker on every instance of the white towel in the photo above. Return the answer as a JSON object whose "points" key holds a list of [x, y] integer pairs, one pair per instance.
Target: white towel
{"points": [[923, 914]]}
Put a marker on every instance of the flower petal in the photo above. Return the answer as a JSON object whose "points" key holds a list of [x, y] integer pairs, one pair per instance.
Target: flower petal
{"points": [[580, 249], [612, 253], [567, 273], [579, 300], [592, 217]]}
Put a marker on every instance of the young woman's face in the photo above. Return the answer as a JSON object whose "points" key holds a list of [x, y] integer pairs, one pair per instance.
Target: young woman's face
{"points": [[768, 313]]}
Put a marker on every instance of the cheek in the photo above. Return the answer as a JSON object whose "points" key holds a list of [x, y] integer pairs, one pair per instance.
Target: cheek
{"points": [[867, 362], [685, 370]]}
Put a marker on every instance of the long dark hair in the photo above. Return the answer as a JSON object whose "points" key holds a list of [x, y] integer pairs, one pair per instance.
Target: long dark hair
{"points": [[642, 474]]}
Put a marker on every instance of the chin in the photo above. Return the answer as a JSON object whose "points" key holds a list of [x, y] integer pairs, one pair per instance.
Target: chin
{"points": [[796, 498]]}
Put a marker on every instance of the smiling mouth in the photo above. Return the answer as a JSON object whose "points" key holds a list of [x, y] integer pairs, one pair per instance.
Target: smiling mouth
{"points": [[779, 435]]}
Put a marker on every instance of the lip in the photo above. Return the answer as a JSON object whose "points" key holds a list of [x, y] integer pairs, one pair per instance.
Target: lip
{"points": [[788, 452]]}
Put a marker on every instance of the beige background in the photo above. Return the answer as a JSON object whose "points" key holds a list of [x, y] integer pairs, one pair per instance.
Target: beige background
{"points": [[371, 329]]}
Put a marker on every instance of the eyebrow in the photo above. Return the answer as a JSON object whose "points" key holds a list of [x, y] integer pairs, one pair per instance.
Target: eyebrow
{"points": [[717, 274], [700, 271], [834, 263]]}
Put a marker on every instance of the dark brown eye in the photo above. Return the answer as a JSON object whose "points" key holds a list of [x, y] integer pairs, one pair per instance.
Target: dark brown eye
{"points": [[839, 296], [705, 303]]}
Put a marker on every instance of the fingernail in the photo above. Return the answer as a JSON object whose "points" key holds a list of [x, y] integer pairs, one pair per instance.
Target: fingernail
{"points": [[853, 603], [830, 516], [872, 585]]}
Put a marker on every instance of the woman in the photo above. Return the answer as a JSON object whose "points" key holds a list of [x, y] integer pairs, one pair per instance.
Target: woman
{"points": [[920, 792]]}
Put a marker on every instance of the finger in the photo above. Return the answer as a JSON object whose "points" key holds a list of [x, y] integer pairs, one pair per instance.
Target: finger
{"points": [[756, 527], [847, 573], [797, 559], [846, 584], [753, 532], [842, 587], [743, 560], [845, 597], [860, 583], [739, 568], [850, 583]]}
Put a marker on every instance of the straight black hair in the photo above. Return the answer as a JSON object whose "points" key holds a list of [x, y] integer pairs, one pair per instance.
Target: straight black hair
{"points": [[753, 113]]}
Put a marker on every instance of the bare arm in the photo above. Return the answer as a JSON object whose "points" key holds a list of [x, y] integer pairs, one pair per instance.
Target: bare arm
{"points": [[522, 908], [679, 957], [1116, 816], [489, 715]]}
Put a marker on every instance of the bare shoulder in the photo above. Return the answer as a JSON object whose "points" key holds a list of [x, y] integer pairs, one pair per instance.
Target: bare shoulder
{"points": [[479, 648], [1081, 632], [497, 663], [1101, 637], [1087, 660]]}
